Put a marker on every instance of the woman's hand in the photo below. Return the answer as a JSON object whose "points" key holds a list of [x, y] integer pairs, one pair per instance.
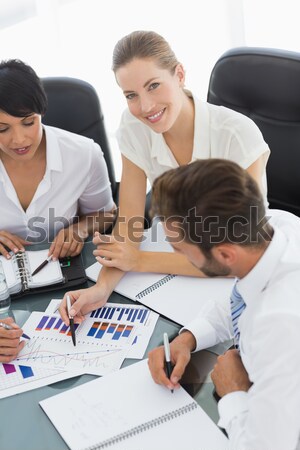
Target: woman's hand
{"points": [[83, 301], [114, 252], [11, 242], [67, 242]]}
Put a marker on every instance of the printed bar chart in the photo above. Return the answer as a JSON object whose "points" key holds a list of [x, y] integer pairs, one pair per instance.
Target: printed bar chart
{"points": [[118, 313], [99, 329], [25, 371], [54, 323]]}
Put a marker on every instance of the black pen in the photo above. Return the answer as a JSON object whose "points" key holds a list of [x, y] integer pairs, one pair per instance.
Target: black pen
{"points": [[6, 326], [168, 357], [72, 327], [41, 266]]}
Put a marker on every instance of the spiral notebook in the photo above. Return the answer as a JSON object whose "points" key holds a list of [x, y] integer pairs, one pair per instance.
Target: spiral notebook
{"points": [[61, 273], [180, 298], [127, 410]]}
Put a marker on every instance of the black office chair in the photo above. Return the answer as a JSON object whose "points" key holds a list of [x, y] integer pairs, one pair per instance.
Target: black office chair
{"points": [[74, 105], [264, 84]]}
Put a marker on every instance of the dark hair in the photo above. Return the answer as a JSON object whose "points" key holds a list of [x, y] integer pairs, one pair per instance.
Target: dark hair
{"points": [[212, 201], [143, 45], [21, 90]]}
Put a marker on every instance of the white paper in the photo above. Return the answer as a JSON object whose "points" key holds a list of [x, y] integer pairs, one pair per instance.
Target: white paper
{"points": [[16, 378], [51, 344], [144, 321], [102, 409]]}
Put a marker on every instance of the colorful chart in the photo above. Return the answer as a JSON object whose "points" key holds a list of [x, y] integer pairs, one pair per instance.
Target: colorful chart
{"points": [[47, 323], [16, 378], [118, 313], [26, 371], [98, 330]]}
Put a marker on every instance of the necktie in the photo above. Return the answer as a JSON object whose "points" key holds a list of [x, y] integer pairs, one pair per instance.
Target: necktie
{"points": [[237, 305]]}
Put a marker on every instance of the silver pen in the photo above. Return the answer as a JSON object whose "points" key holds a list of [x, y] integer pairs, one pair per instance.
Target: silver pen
{"points": [[9, 327]]}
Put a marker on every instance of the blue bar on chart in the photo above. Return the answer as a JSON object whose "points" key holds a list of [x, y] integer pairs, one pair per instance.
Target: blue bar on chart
{"points": [[58, 324], [26, 371], [64, 329], [118, 313], [42, 323], [93, 329], [101, 331], [50, 323], [118, 332], [127, 331], [112, 328]]}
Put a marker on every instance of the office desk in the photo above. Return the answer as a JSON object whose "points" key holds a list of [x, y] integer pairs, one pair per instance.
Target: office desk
{"points": [[23, 424]]}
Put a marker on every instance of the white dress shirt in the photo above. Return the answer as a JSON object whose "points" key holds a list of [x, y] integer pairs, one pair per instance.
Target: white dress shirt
{"points": [[267, 417], [75, 181], [219, 132]]}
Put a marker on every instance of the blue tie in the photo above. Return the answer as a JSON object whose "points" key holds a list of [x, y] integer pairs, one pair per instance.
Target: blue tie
{"points": [[237, 305]]}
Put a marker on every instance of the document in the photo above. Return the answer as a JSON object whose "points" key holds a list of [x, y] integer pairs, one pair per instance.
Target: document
{"points": [[127, 410]]}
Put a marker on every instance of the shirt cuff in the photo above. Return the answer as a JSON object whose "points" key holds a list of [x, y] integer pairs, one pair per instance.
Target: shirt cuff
{"points": [[203, 332], [230, 406]]}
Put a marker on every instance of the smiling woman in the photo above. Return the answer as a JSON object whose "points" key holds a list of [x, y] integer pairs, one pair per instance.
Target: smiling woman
{"points": [[53, 184], [165, 126]]}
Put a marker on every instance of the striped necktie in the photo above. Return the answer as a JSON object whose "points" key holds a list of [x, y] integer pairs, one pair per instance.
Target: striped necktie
{"points": [[237, 305]]}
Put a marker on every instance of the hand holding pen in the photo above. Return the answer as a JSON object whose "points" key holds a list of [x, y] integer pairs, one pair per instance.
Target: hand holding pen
{"points": [[10, 344], [71, 319], [168, 357]]}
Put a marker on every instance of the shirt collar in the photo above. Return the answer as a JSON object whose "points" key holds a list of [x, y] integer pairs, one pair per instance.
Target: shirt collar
{"points": [[258, 278], [201, 145], [54, 158]]}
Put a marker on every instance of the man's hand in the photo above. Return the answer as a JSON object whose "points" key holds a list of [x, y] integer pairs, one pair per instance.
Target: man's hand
{"points": [[229, 374], [10, 344], [180, 349]]}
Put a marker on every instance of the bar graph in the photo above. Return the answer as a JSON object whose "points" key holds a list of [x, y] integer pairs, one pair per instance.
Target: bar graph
{"points": [[48, 323], [16, 378], [117, 331], [121, 313]]}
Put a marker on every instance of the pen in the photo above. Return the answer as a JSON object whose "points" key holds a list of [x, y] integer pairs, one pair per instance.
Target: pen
{"points": [[168, 356], [72, 327], [9, 327], [40, 267]]}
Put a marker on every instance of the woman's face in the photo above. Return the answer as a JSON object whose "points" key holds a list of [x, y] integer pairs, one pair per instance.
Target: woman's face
{"points": [[154, 95], [20, 137]]}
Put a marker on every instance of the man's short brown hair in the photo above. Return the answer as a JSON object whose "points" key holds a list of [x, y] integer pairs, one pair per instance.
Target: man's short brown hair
{"points": [[214, 201]]}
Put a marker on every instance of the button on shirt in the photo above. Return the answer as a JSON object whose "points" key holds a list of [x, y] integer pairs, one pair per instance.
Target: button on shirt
{"points": [[76, 180], [267, 416], [219, 132]]}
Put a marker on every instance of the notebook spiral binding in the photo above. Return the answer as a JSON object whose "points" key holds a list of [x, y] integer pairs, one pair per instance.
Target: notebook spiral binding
{"points": [[144, 427], [154, 286], [21, 261]]}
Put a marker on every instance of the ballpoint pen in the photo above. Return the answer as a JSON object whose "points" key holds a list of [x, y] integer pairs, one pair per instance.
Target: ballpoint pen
{"points": [[168, 356], [41, 266], [72, 327], [6, 326]]}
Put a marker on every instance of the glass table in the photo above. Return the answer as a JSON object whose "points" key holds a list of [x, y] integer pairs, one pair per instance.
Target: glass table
{"points": [[24, 426]]}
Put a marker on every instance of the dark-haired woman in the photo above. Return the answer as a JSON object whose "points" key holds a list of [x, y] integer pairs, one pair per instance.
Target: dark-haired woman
{"points": [[54, 185]]}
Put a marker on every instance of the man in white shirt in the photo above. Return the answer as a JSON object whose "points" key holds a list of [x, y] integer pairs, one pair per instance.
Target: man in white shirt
{"points": [[214, 214]]}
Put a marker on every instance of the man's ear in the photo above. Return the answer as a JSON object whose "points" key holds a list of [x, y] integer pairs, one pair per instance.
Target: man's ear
{"points": [[180, 73], [225, 254]]}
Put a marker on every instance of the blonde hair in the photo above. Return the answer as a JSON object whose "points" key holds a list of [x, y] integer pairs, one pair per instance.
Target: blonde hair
{"points": [[143, 45]]}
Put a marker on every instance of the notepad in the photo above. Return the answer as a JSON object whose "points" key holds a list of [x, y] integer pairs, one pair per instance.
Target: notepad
{"points": [[127, 410], [19, 268], [180, 298]]}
